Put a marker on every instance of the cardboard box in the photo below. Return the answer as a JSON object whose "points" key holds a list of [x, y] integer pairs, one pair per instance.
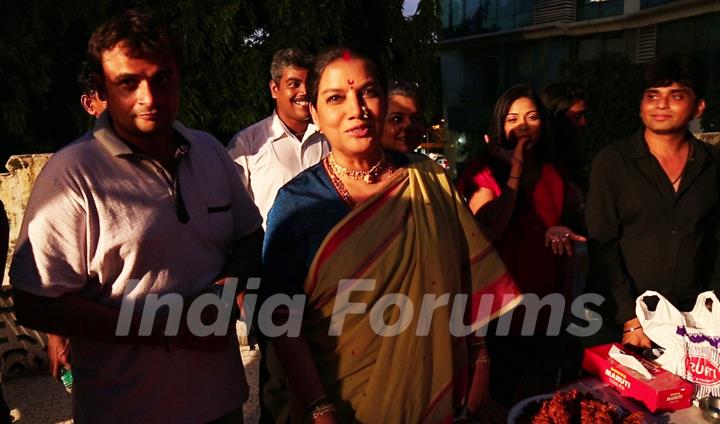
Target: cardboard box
{"points": [[664, 392]]}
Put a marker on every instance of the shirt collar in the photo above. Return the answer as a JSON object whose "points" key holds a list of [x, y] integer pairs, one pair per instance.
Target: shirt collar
{"points": [[278, 129], [638, 148], [106, 136]]}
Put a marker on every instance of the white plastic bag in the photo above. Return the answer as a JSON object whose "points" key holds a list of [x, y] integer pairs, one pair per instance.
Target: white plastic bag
{"points": [[702, 343], [691, 339], [661, 326]]}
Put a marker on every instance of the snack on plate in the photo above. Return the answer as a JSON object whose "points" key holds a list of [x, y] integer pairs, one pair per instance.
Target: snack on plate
{"points": [[574, 407]]}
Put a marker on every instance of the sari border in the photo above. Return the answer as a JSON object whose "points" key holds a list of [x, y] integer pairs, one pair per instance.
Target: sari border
{"points": [[345, 228]]}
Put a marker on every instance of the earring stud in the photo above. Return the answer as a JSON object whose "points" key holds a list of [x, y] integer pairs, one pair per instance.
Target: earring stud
{"points": [[365, 112]]}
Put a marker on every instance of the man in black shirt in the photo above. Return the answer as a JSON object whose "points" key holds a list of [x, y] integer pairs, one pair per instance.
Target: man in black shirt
{"points": [[654, 202]]}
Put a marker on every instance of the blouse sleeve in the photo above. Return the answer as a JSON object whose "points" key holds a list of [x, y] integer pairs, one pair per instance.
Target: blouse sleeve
{"points": [[477, 176], [284, 249]]}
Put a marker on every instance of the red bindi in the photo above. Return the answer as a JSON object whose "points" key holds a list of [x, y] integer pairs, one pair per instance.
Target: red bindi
{"points": [[351, 82], [346, 55]]}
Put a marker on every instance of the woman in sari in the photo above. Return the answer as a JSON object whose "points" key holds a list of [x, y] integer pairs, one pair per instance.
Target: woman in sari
{"points": [[363, 224], [520, 197]]}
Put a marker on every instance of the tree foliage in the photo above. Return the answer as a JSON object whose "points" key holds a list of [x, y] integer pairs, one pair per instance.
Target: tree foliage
{"points": [[227, 45], [614, 86]]}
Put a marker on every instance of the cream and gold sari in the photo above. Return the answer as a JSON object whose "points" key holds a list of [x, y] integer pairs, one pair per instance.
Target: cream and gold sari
{"points": [[417, 240]]}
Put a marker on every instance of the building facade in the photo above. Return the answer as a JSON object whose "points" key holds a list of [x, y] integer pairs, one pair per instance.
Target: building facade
{"points": [[490, 45]]}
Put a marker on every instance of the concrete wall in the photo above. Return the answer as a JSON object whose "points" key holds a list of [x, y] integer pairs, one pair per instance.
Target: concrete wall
{"points": [[22, 351]]}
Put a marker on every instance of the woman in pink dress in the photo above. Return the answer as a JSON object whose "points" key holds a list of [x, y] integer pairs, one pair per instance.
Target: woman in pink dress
{"points": [[519, 196]]}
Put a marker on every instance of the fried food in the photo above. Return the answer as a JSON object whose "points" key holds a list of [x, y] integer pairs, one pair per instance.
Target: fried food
{"points": [[573, 407]]}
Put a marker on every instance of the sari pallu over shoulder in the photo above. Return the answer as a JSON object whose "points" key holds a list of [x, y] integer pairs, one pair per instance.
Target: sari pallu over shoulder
{"points": [[415, 245]]}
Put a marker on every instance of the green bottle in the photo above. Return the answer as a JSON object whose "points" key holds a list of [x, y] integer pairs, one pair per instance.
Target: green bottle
{"points": [[67, 379]]}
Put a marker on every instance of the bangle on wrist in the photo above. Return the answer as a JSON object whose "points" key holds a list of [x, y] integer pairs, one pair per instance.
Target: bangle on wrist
{"points": [[321, 400], [513, 177], [478, 342], [482, 359], [631, 329], [516, 159], [325, 408]]}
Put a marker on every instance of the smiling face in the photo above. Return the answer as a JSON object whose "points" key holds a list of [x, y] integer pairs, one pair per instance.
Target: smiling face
{"points": [[669, 109], [404, 125], [290, 97], [350, 108], [522, 122], [143, 95]]}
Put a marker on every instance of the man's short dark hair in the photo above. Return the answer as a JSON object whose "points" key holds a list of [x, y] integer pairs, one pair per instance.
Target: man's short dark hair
{"points": [[141, 33], [288, 58], [681, 68]]}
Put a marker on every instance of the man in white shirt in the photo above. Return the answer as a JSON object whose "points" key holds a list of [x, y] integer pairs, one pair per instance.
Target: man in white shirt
{"points": [[272, 151]]}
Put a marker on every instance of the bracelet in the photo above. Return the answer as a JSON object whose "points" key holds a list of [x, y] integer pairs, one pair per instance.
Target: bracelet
{"points": [[482, 359], [512, 176], [630, 330], [317, 402], [322, 409], [516, 159], [478, 342]]}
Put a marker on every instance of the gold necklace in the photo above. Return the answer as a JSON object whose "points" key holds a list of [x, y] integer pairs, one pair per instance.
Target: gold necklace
{"points": [[370, 176]]}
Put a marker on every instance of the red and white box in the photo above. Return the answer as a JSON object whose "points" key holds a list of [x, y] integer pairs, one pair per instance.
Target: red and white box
{"points": [[665, 391]]}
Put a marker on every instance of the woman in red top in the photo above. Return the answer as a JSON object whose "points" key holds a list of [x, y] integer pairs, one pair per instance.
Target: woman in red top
{"points": [[519, 196]]}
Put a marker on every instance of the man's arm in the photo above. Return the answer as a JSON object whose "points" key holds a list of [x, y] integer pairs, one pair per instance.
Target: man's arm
{"points": [[245, 258], [244, 262], [68, 315]]}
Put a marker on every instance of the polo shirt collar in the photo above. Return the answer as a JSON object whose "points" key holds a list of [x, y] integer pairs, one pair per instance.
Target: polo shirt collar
{"points": [[106, 136], [279, 130]]}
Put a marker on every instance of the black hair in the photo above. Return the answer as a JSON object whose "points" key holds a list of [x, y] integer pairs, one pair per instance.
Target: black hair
{"points": [[685, 69], [288, 58], [558, 97], [141, 33], [542, 151], [330, 55]]}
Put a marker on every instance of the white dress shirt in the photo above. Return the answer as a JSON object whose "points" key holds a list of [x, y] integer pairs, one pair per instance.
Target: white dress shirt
{"points": [[269, 155]]}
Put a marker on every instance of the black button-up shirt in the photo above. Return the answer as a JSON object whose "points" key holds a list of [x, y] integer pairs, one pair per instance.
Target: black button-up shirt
{"points": [[644, 235]]}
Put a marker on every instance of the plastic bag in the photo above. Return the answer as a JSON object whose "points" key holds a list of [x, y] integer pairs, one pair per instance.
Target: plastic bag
{"points": [[661, 326], [691, 339], [702, 343]]}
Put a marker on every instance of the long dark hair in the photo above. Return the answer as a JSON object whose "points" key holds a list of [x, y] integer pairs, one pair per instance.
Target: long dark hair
{"points": [[541, 151], [558, 98]]}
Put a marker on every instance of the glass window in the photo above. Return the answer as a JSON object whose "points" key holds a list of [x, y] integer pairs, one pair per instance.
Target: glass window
{"points": [[505, 8], [595, 9], [482, 16], [652, 3], [445, 13], [471, 8]]}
